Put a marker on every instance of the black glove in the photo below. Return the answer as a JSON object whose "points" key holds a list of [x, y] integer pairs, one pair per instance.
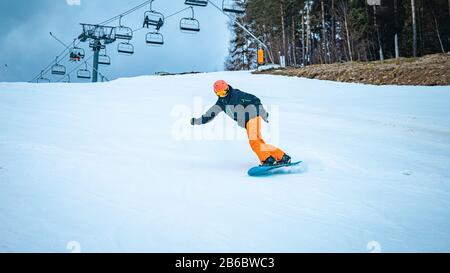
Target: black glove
{"points": [[195, 121]]}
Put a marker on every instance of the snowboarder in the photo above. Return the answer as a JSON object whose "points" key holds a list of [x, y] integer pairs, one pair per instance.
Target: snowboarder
{"points": [[247, 110]]}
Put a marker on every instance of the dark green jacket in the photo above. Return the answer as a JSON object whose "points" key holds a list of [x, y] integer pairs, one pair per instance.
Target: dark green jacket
{"points": [[238, 105]]}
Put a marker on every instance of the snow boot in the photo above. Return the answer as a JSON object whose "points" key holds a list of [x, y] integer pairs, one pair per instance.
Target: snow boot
{"points": [[271, 161], [284, 160]]}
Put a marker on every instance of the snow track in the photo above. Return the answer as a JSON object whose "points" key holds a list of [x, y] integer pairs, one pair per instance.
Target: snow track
{"points": [[98, 164]]}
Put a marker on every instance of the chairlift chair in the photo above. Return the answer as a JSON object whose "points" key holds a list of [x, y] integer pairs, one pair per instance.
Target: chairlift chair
{"points": [[41, 79], [58, 69], [233, 6], [104, 59], [198, 3], [190, 24], [154, 38], [76, 54], [84, 73], [125, 48], [122, 32], [153, 18]]}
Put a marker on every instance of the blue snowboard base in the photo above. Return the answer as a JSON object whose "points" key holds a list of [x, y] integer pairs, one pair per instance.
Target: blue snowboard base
{"points": [[278, 169]]}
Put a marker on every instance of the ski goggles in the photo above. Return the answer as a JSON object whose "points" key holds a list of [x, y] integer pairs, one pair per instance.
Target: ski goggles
{"points": [[223, 93]]}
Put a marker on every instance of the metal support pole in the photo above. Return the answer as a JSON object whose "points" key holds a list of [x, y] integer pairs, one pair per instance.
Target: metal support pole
{"points": [[244, 29], [96, 49]]}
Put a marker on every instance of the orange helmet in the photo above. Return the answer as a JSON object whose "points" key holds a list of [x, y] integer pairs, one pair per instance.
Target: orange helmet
{"points": [[221, 88]]}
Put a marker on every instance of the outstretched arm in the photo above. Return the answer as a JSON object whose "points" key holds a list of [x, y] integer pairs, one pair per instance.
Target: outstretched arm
{"points": [[208, 116]]}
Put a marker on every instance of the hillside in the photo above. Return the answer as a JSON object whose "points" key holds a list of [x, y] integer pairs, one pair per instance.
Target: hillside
{"points": [[429, 70]]}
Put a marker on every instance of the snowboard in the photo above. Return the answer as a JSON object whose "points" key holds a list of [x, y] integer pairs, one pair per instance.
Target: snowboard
{"points": [[276, 169]]}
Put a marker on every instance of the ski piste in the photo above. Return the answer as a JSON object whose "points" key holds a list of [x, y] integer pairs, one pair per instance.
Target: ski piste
{"points": [[103, 157]]}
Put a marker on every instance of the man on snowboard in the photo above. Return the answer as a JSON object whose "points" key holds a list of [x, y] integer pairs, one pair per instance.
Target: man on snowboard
{"points": [[247, 110]]}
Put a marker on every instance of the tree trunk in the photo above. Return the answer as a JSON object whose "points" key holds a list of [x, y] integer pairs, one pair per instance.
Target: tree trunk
{"points": [[333, 32], [414, 27], [308, 35], [397, 52], [289, 50], [420, 22], [437, 30], [370, 46], [303, 39], [324, 34], [348, 37], [283, 30], [380, 48], [293, 41]]}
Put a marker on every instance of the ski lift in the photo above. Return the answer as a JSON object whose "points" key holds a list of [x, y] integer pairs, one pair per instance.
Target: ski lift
{"points": [[233, 6], [58, 69], [154, 38], [84, 73], [76, 53], [104, 59], [153, 18], [190, 24], [122, 32], [41, 79], [125, 48], [198, 3]]}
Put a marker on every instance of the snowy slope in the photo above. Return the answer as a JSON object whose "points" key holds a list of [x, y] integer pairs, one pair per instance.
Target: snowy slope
{"points": [[102, 165]]}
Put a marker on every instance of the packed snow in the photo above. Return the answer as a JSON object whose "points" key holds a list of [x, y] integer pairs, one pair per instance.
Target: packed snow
{"points": [[116, 167]]}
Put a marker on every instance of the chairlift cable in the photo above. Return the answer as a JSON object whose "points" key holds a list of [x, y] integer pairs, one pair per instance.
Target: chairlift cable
{"points": [[58, 40], [117, 17], [178, 12]]}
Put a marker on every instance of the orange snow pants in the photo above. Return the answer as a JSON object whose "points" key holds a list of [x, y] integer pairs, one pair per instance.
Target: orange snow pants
{"points": [[261, 149]]}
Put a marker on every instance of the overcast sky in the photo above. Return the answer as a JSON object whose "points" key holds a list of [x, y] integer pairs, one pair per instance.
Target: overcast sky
{"points": [[27, 47]]}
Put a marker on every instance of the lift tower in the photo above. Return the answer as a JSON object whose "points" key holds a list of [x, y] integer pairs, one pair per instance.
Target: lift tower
{"points": [[98, 36]]}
